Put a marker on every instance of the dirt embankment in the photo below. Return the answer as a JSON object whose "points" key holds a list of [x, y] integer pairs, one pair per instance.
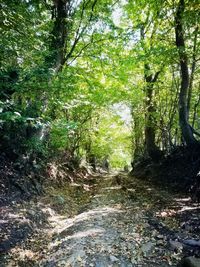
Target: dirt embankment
{"points": [[179, 171], [26, 178]]}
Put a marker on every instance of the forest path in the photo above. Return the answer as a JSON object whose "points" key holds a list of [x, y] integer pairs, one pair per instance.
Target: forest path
{"points": [[120, 221]]}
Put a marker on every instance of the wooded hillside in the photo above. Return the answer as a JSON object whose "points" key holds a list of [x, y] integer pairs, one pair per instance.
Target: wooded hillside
{"points": [[94, 95], [92, 80]]}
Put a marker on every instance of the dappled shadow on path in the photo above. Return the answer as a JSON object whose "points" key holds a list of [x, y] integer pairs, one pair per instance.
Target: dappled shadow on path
{"points": [[119, 221], [18, 222]]}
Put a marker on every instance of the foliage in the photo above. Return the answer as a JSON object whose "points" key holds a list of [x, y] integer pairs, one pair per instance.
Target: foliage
{"points": [[112, 138], [63, 73]]}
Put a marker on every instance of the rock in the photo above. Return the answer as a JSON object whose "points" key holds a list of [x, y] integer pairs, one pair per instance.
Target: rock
{"points": [[31, 212], [133, 260], [147, 247], [5, 246], [191, 242], [60, 200], [175, 245], [189, 262], [113, 258], [75, 259]]}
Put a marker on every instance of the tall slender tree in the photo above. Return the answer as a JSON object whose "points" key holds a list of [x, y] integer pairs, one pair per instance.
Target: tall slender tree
{"points": [[186, 129]]}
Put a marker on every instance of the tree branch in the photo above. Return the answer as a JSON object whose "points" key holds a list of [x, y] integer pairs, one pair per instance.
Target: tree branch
{"points": [[78, 32]]}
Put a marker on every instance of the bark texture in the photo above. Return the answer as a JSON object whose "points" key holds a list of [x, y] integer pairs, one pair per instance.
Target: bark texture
{"points": [[186, 130], [150, 126]]}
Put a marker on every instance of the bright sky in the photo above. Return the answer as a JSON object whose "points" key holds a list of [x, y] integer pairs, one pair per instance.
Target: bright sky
{"points": [[123, 111], [116, 16]]}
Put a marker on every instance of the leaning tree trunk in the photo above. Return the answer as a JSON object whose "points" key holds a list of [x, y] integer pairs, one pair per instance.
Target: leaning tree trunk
{"points": [[186, 130], [192, 69]]}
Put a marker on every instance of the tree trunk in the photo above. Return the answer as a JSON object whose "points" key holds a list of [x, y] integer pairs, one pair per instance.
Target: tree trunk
{"points": [[192, 70], [150, 131], [60, 15], [137, 142], [186, 130]]}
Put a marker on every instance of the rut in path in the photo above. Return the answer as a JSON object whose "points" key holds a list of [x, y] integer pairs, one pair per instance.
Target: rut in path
{"points": [[121, 222]]}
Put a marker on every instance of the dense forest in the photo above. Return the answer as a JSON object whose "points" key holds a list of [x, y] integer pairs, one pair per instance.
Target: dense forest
{"points": [[100, 88]]}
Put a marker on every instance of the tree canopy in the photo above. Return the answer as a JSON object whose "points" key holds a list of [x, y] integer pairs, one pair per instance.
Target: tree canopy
{"points": [[69, 66]]}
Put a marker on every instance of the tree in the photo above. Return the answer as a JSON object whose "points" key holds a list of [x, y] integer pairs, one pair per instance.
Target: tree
{"points": [[186, 129], [64, 61]]}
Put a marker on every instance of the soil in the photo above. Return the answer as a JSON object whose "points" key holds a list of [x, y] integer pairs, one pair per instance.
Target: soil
{"points": [[179, 171], [106, 220]]}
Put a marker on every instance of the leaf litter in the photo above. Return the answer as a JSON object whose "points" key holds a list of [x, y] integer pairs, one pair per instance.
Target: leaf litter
{"points": [[104, 224]]}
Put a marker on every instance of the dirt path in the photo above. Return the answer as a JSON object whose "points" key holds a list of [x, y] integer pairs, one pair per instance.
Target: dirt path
{"points": [[117, 223]]}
